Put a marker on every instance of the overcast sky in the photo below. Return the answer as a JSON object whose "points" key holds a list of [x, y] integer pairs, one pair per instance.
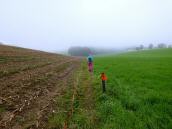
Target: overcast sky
{"points": [[59, 24]]}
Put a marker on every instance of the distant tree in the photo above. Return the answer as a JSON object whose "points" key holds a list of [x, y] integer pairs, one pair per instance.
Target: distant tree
{"points": [[137, 48], [169, 46], [141, 47], [162, 45], [79, 51], [150, 46]]}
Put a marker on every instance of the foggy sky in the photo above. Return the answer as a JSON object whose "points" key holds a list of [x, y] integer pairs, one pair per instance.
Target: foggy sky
{"points": [[59, 24]]}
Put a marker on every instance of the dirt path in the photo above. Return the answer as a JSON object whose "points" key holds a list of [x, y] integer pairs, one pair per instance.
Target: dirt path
{"points": [[82, 102]]}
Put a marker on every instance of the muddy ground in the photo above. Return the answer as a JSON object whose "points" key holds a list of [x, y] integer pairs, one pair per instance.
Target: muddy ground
{"points": [[29, 82]]}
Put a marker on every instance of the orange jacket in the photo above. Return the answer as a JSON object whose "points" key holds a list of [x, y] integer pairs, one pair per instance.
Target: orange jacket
{"points": [[103, 77]]}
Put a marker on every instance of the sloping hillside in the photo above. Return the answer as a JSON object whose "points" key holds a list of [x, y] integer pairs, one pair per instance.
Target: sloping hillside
{"points": [[29, 82]]}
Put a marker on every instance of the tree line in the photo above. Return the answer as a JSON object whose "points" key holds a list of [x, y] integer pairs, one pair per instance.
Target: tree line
{"points": [[85, 51], [151, 46]]}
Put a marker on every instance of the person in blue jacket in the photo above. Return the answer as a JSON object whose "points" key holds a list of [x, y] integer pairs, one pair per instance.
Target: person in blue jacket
{"points": [[90, 63]]}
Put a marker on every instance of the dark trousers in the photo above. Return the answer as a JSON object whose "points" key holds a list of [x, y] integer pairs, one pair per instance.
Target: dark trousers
{"points": [[104, 86]]}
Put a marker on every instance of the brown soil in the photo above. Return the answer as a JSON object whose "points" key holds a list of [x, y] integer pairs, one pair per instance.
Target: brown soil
{"points": [[27, 95]]}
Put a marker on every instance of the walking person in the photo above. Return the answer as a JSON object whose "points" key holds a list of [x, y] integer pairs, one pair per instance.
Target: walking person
{"points": [[90, 63], [104, 79]]}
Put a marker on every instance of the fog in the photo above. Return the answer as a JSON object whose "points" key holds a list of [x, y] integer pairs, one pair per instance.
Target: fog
{"points": [[53, 25]]}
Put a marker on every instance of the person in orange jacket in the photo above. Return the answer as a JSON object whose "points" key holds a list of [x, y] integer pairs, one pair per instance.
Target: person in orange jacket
{"points": [[104, 79]]}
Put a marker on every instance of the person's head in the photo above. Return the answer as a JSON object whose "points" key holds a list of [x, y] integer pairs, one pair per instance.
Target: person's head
{"points": [[102, 73]]}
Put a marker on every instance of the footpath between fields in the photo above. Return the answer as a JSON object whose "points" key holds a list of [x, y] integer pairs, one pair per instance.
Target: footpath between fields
{"points": [[77, 106]]}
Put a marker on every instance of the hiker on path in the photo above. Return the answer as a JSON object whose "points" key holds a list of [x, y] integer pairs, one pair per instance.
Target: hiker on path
{"points": [[90, 63], [104, 79]]}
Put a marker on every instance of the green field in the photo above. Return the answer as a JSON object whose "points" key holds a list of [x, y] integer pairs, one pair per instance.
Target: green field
{"points": [[139, 90]]}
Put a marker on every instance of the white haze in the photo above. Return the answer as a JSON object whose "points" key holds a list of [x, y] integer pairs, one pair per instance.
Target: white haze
{"points": [[58, 24]]}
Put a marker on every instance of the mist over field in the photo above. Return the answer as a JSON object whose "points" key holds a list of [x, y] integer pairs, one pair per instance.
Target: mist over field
{"points": [[85, 64], [57, 25]]}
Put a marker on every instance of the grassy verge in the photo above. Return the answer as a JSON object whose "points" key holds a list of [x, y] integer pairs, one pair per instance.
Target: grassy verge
{"points": [[84, 115], [75, 106]]}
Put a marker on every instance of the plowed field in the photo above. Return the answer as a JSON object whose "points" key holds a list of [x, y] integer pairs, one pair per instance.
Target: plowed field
{"points": [[29, 82]]}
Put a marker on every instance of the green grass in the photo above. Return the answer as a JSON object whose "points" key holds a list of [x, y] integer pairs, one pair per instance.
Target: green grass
{"points": [[139, 90], [84, 115]]}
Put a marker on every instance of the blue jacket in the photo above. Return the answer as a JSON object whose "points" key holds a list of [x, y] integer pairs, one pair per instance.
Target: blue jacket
{"points": [[90, 58]]}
